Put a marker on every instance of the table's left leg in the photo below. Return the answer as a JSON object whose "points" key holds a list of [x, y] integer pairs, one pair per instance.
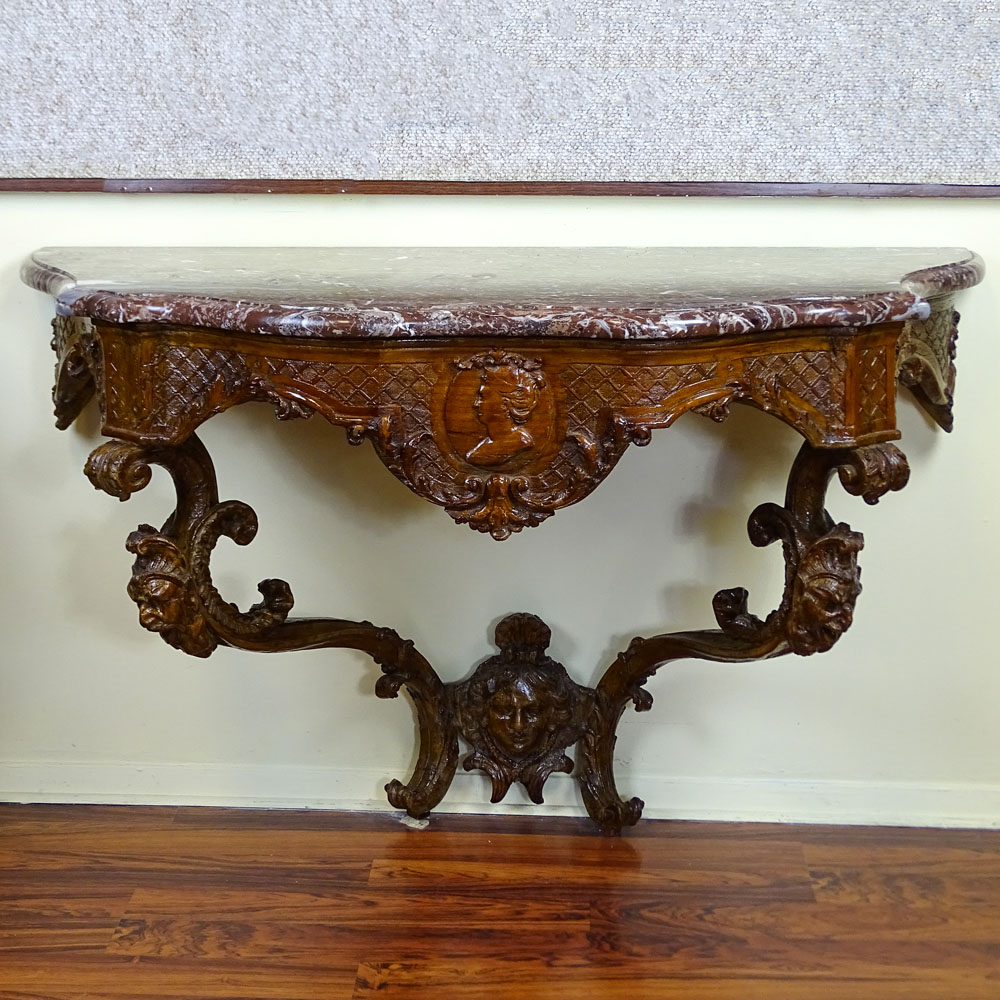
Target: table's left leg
{"points": [[172, 585]]}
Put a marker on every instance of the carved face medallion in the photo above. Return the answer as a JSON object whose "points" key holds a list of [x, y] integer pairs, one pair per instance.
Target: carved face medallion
{"points": [[520, 710], [160, 601], [823, 613], [162, 588], [518, 717], [824, 593], [499, 410]]}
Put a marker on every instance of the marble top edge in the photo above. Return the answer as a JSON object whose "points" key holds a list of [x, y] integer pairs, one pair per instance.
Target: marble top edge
{"points": [[407, 292]]}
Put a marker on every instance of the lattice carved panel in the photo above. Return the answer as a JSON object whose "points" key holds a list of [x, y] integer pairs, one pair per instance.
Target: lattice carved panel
{"points": [[500, 438]]}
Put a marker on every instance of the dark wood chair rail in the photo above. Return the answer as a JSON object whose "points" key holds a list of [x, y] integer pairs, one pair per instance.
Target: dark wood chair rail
{"points": [[582, 188]]}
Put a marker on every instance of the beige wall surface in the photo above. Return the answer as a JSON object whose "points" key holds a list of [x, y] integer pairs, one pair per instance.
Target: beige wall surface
{"points": [[898, 723]]}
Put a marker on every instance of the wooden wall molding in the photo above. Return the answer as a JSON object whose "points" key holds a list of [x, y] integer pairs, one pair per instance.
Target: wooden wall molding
{"points": [[662, 189]]}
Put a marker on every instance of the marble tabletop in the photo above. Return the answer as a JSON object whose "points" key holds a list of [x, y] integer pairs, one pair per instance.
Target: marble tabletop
{"points": [[431, 292]]}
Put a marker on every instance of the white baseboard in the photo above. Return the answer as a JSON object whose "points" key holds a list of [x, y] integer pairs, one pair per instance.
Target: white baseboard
{"points": [[723, 799]]}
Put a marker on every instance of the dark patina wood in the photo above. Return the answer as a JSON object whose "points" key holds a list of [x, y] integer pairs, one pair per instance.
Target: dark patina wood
{"points": [[502, 410]]}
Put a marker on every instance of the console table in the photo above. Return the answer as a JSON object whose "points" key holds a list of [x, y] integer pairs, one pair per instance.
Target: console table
{"points": [[502, 385]]}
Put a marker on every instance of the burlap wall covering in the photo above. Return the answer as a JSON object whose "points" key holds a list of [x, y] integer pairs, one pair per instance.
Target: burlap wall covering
{"points": [[794, 90]]}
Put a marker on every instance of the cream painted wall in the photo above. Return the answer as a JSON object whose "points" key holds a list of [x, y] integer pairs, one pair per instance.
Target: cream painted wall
{"points": [[899, 723]]}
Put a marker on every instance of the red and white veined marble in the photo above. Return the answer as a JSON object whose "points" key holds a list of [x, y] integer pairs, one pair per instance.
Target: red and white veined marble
{"points": [[654, 293]]}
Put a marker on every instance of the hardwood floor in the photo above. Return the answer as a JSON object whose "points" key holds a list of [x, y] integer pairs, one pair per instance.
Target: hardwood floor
{"points": [[185, 903]]}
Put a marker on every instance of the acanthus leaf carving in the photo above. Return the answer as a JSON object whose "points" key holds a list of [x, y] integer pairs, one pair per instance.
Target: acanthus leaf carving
{"points": [[286, 400], [718, 409], [502, 508]]}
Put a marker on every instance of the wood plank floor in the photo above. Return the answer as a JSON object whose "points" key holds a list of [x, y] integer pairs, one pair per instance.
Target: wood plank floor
{"points": [[119, 903]]}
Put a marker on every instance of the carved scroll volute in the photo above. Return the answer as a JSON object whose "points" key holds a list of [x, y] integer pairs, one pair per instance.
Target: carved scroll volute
{"points": [[872, 472]]}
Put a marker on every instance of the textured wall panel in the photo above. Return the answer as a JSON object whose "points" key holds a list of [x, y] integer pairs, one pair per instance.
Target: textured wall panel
{"points": [[628, 90]]}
